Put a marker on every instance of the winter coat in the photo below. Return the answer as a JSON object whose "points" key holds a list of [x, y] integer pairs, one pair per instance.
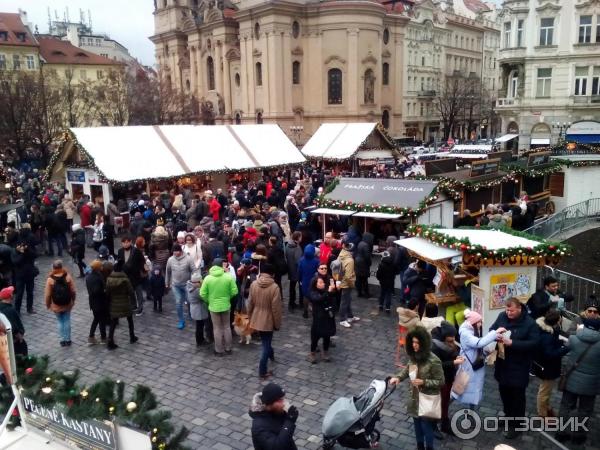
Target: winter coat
{"points": [[407, 318], [293, 253], [270, 431], [59, 273], [418, 283], [276, 258], [323, 304], [134, 266], [85, 215], [497, 221], [324, 252], [471, 346], [69, 208], [159, 250], [157, 286], [429, 323], [198, 307], [121, 295], [264, 306], [96, 288], [429, 369], [362, 259], [386, 273], [349, 277], [307, 268], [513, 370], [585, 380], [23, 262], [447, 356], [217, 290], [214, 208], [179, 270], [547, 363], [540, 303]]}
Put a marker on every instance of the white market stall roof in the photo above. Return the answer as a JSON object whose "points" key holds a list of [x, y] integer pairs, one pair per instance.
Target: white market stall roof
{"points": [[540, 141], [423, 247], [467, 147], [167, 151], [338, 140], [506, 138]]}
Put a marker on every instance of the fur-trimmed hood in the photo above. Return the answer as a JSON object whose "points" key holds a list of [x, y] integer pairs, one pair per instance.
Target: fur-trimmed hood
{"points": [[425, 348], [256, 406], [544, 326]]}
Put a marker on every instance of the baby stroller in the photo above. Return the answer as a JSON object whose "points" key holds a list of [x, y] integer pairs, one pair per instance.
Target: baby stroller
{"points": [[350, 421]]}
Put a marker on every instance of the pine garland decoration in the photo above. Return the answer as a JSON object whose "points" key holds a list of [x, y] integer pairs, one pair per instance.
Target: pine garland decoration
{"points": [[104, 400]]}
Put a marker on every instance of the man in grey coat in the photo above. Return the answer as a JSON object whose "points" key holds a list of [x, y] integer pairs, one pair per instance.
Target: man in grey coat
{"points": [[179, 270], [293, 253], [583, 382]]}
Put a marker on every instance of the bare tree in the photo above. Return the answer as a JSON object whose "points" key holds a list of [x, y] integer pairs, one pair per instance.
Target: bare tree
{"points": [[80, 102]]}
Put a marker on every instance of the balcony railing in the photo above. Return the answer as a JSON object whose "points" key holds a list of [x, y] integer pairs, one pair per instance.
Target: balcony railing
{"points": [[506, 102], [426, 93], [585, 99]]}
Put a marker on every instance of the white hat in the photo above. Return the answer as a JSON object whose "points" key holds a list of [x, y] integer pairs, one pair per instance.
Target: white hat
{"points": [[141, 203], [181, 234]]}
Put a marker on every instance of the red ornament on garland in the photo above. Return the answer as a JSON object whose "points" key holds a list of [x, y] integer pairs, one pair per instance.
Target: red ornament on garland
{"points": [[463, 247], [70, 402], [552, 248], [29, 370]]}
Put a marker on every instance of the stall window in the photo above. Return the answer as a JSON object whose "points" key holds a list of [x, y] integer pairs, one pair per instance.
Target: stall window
{"points": [[474, 199], [557, 184], [533, 185]]}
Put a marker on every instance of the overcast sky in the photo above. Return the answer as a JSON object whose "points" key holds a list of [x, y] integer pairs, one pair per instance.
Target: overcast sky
{"points": [[129, 22]]}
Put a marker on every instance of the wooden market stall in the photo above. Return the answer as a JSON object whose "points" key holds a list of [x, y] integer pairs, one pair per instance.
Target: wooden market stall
{"points": [[93, 160], [498, 264]]}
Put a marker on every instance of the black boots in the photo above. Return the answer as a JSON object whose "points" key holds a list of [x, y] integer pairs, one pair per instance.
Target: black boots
{"points": [[446, 428]]}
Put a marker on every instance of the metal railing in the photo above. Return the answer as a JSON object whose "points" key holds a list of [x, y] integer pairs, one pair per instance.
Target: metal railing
{"points": [[574, 216], [580, 287]]}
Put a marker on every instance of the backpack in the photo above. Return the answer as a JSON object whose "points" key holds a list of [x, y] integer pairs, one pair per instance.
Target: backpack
{"points": [[61, 294]]}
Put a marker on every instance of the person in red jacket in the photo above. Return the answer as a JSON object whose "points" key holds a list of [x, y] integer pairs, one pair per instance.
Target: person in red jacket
{"points": [[325, 248], [214, 207], [85, 214]]}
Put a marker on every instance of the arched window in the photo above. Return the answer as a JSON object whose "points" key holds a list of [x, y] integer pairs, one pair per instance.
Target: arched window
{"points": [[237, 80], [210, 73], [238, 119], [386, 36], [385, 74], [187, 85], [259, 118], [334, 87], [295, 29], [369, 82], [296, 72], [258, 74], [385, 119], [256, 31]]}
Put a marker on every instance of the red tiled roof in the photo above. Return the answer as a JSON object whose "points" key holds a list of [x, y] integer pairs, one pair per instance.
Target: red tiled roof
{"points": [[476, 6], [55, 51], [13, 26]]}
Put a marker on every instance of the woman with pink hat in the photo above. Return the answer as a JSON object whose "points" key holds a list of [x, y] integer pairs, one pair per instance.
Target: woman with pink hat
{"points": [[472, 348]]}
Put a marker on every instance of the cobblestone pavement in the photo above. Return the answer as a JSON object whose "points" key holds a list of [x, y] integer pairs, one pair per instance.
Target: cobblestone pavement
{"points": [[211, 395]]}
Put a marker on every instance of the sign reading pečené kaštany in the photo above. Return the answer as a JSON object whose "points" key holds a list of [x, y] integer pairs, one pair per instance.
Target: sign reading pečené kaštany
{"points": [[84, 434], [390, 192]]}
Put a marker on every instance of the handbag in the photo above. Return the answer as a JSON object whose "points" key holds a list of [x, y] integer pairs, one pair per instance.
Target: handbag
{"points": [[479, 361], [461, 380], [564, 377], [430, 406]]}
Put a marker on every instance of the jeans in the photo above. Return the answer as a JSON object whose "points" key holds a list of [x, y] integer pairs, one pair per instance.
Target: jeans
{"points": [[575, 405], [424, 431], [100, 319], [64, 325], [385, 297], [180, 296], [266, 338], [513, 401], [139, 295], [24, 284], [61, 243], [346, 306], [221, 331], [293, 285]]}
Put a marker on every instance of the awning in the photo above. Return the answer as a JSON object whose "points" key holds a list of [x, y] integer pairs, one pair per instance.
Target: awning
{"points": [[464, 155], [333, 212], [425, 248], [377, 215], [467, 147], [540, 141], [583, 138], [374, 154], [507, 137]]}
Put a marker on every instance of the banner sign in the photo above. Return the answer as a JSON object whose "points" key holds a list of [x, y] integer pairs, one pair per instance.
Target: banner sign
{"points": [[538, 159], [76, 176], [485, 167], [84, 434]]}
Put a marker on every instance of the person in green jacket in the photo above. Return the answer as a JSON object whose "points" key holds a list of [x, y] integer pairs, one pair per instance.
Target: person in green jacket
{"points": [[217, 291], [429, 380]]}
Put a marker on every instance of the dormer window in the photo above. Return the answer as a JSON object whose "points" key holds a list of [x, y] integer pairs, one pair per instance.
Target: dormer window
{"points": [[81, 54], [58, 53], [3, 35], [21, 36]]}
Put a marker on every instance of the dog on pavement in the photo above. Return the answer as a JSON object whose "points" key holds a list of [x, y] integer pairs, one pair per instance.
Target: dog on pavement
{"points": [[241, 326]]}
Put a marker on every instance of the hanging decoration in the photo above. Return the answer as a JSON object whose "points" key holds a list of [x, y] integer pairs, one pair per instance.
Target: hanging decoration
{"points": [[545, 253], [104, 400], [517, 169]]}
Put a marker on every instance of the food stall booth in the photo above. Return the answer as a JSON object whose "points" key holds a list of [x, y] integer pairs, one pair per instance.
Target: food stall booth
{"points": [[358, 148], [100, 160], [496, 264]]}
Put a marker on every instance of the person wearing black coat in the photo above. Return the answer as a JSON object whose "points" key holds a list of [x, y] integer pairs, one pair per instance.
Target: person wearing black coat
{"points": [[415, 284], [132, 260], [512, 371], [362, 264], [545, 299], [322, 298], [547, 363], [272, 427], [23, 260], [96, 287], [386, 274]]}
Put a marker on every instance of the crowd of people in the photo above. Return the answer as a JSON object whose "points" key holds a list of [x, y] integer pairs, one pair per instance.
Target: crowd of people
{"points": [[223, 257]]}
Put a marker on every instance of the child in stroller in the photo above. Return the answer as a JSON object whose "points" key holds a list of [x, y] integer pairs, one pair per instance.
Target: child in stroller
{"points": [[350, 421]]}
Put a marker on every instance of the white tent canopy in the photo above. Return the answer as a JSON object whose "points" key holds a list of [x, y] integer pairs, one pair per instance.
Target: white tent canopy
{"points": [[423, 247], [337, 140], [507, 137], [143, 152]]}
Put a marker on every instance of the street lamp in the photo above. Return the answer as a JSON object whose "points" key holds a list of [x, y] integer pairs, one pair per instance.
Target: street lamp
{"points": [[297, 130], [562, 128]]}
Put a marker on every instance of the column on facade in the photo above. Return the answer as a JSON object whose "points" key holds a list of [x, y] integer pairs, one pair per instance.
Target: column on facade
{"points": [[201, 71], [193, 68], [249, 70], [313, 98], [227, 86], [244, 76], [267, 60], [397, 64], [218, 65], [275, 68], [286, 59], [352, 74]]}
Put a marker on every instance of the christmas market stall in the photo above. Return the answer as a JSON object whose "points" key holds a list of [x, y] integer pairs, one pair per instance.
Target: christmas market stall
{"points": [[481, 267], [357, 148], [95, 161]]}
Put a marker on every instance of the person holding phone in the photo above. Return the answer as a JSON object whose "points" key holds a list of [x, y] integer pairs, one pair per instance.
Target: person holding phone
{"points": [[322, 298]]}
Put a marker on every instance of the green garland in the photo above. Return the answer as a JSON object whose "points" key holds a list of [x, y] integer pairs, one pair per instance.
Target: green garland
{"points": [[544, 250], [104, 400], [570, 163], [515, 169]]}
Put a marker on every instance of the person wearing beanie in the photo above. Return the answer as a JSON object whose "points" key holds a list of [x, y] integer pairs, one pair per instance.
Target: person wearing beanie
{"points": [[99, 303], [583, 380], [272, 426], [16, 325], [473, 350], [520, 338], [264, 312], [444, 346], [217, 290], [179, 270], [198, 309]]}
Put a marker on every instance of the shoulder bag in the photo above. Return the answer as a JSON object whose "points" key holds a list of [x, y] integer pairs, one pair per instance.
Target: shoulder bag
{"points": [[564, 377], [479, 360]]}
